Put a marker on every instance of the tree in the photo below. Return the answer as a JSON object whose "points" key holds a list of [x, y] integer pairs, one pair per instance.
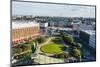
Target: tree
{"points": [[77, 53], [69, 39], [78, 45], [40, 39], [33, 47], [74, 44], [66, 54], [64, 48]]}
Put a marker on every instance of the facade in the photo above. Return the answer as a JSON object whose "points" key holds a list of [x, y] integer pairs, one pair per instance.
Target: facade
{"points": [[20, 32], [43, 27], [24, 30], [88, 36], [86, 27], [76, 25]]}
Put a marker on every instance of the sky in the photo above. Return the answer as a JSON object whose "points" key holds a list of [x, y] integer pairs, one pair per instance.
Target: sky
{"points": [[44, 9]]}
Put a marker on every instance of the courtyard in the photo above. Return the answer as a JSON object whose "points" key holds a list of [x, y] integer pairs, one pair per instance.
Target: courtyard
{"points": [[47, 49]]}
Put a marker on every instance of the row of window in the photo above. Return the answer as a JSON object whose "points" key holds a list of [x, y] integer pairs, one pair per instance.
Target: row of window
{"points": [[17, 33]]}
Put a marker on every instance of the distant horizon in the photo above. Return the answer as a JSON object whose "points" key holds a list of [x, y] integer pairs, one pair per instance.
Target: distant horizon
{"points": [[53, 16], [52, 10]]}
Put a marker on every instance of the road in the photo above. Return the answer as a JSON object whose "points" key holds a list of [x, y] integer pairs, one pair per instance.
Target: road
{"points": [[39, 46]]}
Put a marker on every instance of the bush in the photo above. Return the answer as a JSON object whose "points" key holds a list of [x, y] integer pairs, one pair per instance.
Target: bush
{"points": [[67, 37], [78, 45], [64, 34], [40, 39], [56, 40], [46, 36], [64, 48], [62, 55], [76, 53]]}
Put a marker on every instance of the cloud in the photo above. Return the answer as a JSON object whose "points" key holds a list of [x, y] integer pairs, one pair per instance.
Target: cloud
{"points": [[41, 9]]}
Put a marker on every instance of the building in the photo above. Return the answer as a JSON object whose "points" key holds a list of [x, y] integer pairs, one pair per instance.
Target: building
{"points": [[43, 27], [76, 24], [89, 37], [86, 27], [24, 29]]}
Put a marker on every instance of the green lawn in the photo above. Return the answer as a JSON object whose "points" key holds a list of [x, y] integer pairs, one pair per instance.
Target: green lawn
{"points": [[52, 48]]}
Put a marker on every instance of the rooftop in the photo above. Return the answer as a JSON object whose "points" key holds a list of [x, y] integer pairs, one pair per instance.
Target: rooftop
{"points": [[91, 32], [22, 24]]}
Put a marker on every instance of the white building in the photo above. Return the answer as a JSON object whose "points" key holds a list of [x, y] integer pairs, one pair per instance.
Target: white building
{"points": [[43, 27], [43, 24], [76, 25]]}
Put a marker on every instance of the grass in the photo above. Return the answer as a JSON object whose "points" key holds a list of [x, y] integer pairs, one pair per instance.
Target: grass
{"points": [[52, 48]]}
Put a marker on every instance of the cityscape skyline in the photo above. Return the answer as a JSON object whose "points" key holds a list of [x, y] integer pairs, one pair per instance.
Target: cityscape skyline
{"points": [[43, 9], [45, 33]]}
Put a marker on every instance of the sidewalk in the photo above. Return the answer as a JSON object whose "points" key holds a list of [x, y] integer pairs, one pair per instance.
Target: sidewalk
{"points": [[42, 59]]}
